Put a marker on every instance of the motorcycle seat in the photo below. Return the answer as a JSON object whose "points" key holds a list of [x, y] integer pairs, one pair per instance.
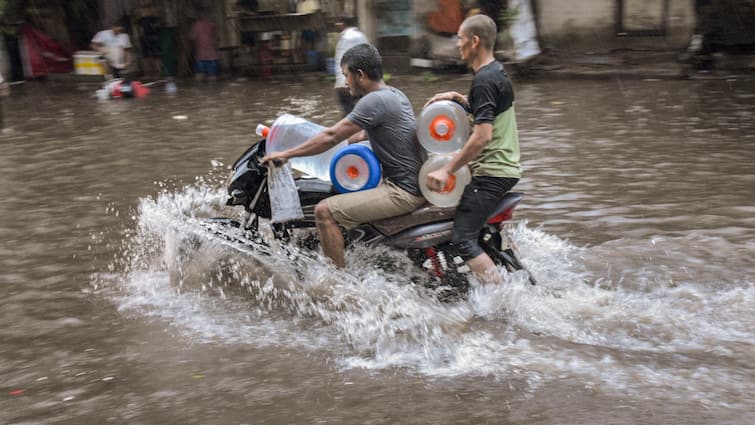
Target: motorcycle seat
{"points": [[508, 201], [429, 213]]}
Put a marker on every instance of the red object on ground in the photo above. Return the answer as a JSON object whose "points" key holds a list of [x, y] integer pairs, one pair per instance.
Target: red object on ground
{"points": [[137, 88], [17, 392]]}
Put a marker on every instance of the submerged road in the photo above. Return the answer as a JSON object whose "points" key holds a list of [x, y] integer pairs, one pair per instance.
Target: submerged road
{"points": [[639, 226]]}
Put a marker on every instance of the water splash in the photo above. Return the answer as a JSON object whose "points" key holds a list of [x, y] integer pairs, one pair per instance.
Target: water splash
{"points": [[643, 330]]}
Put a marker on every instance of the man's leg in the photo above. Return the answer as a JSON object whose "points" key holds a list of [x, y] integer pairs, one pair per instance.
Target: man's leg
{"points": [[330, 235], [199, 71], [484, 269], [479, 200]]}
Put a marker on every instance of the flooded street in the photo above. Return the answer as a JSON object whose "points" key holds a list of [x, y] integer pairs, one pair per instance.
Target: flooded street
{"points": [[638, 223]]}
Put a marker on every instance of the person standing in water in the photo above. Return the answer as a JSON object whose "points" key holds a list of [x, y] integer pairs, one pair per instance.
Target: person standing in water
{"points": [[350, 36], [204, 34], [149, 27], [115, 46]]}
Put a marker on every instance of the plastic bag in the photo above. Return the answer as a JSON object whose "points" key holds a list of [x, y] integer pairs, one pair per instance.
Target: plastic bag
{"points": [[284, 198]]}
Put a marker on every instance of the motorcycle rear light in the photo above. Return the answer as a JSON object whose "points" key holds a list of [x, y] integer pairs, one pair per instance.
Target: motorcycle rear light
{"points": [[506, 215]]}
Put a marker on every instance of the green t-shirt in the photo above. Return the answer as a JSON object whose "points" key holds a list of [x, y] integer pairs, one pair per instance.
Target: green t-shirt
{"points": [[491, 100]]}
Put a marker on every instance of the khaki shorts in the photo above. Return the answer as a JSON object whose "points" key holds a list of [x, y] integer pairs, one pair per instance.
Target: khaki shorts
{"points": [[385, 200]]}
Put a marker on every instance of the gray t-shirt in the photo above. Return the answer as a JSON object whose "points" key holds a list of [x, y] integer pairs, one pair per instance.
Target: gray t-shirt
{"points": [[388, 118]]}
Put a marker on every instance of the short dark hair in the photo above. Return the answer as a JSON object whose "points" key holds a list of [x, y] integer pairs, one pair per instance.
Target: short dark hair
{"points": [[121, 22], [365, 57], [348, 21], [483, 27]]}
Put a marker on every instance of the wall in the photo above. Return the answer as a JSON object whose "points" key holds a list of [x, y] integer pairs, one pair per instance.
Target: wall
{"points": [[585, 23]]}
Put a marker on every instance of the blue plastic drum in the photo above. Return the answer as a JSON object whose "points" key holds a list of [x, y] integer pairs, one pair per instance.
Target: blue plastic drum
{"points": [[355, 168]]}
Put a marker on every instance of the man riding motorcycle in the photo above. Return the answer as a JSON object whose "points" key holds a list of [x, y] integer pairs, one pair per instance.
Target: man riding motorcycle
{"points": [[492, 149], [384, 114]]}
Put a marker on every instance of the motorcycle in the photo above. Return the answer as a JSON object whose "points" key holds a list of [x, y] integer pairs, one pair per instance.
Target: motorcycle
{"points": [[423, 234]]}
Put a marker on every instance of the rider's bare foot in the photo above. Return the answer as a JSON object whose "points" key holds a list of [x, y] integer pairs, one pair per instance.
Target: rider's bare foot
{"points": [[490, 276]]}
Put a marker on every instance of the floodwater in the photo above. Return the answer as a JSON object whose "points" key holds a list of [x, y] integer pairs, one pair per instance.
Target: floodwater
{"points": [[638, 224]]}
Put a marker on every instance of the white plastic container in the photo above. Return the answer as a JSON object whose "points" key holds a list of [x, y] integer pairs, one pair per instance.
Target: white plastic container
{"points": [[454, 188], [443, 127], [290, 131], [103, 94], [355, 168], [285, 204]]}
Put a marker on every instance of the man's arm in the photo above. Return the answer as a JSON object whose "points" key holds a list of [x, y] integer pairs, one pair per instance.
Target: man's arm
{"points": [[97, 47], [127, 46], [318, 143], [452, 96], [97, 43], [481, 135], [358, 137]]}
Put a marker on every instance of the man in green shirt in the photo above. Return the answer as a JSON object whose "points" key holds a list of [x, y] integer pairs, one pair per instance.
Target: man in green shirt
{"points": [[492, 150]]}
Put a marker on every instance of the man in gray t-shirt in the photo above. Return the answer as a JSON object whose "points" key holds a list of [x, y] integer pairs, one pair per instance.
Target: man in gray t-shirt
{"points": [[385, 116]]}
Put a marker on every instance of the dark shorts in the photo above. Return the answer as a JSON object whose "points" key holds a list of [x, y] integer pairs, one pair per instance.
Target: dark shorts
{"points": [[207, 67], [309, 35], [479, 200]]}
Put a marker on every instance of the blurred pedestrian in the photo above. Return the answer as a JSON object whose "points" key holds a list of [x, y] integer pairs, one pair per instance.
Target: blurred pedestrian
{"points": [[149, 27], [350, 36], [115, 45], [168, 39], [204, 33]]}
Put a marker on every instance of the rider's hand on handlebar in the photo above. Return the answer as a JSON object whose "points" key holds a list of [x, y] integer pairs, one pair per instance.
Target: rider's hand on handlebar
{"points": [[277, 159]]}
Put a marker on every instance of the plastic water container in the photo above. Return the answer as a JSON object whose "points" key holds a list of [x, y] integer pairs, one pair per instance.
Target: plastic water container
{"points": [[355, 168], [454, 188], [170, 87], [443, 127], [285, 204], [103, 94], [290, 131]]}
